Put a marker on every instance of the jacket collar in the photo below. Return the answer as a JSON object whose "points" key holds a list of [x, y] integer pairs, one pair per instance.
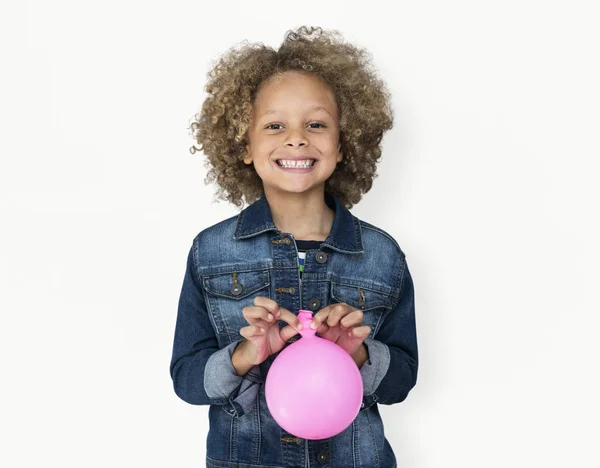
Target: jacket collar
{"points": [[345, 235]]}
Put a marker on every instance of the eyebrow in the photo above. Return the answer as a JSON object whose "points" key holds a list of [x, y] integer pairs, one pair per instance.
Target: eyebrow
{"points": [[273, 111]]}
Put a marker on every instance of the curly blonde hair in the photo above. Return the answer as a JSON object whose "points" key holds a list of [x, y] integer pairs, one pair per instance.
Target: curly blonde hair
{"points": [[221, 127]]}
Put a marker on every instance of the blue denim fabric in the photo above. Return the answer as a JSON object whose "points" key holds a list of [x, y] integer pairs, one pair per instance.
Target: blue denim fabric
{"points": [[365, 268]]}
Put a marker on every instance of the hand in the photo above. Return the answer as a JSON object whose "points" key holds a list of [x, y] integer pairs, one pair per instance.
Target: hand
{"points": [[263, 335], [342, 324]]}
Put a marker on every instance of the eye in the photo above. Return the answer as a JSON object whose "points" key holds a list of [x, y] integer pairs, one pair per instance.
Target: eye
{"points": [[277, 126]]}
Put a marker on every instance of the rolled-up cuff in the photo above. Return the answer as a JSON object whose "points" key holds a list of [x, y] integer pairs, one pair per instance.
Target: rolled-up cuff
{"points": [[375, 368], [222, 382]]}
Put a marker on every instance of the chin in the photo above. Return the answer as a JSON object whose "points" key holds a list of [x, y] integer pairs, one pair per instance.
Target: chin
{"points": [[292, 189]]}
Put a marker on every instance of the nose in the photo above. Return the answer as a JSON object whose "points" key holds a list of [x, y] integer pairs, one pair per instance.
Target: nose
{"points": [[296, 138]]}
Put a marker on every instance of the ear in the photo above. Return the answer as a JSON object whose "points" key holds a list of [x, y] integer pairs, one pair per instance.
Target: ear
{"points": [[248, 158], [340, 155]]}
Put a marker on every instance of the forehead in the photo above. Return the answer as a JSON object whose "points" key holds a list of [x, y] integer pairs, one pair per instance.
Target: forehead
{"points": [[295, 89]]}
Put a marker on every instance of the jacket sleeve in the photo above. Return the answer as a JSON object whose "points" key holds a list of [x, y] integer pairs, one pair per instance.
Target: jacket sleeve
{"points": [[202, 373], [391, 370]]}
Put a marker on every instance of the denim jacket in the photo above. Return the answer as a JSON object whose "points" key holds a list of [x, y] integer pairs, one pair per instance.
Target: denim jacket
{"points": [[246, 256]]}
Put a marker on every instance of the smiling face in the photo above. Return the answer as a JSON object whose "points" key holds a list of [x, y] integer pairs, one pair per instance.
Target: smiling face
{"points": [[293, 139]]}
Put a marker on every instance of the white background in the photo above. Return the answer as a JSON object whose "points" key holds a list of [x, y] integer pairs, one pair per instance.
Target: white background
{"points": [[488, 182]]}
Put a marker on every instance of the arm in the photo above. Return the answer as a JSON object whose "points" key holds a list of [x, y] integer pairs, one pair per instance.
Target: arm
{"points": [[390, 371], [202, 373]]}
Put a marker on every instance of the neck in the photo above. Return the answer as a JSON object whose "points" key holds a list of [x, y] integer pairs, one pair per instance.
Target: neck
{"points": [[304, 215]]}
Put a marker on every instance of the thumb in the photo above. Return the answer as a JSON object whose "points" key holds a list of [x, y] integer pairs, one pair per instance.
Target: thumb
{"points": [[287, 332]]}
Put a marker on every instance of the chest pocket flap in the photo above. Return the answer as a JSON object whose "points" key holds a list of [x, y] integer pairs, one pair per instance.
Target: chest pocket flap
{"points": [[237, 284], [360, 298]]}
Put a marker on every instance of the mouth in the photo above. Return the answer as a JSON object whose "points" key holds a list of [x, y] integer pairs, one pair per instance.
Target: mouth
{"points": [[296, 164]]}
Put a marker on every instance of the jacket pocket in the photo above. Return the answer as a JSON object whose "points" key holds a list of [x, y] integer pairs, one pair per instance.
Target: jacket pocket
{"points": [[228, 293], [374, 304]]}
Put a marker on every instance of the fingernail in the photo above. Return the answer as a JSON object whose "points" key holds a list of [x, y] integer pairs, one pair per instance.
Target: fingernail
{"points": [[269, 317], [313, 324], [299, 326], [262, 330]]}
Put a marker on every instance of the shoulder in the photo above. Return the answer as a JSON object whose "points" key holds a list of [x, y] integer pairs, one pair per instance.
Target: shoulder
{"points": [[205, 241], [386, 250], [384, 240], [222, 230]]}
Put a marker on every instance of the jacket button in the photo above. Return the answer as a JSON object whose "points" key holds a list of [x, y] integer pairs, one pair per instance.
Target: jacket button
{"points": [[314, 304], [323, 457], [321, 257], [236, 289]]}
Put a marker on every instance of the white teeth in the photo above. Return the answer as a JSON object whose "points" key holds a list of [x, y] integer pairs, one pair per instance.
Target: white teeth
{"points": [[300, 164]]}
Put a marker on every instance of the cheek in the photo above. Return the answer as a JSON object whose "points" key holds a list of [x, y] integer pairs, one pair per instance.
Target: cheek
{"points": [[328, 143], [265, 146]]}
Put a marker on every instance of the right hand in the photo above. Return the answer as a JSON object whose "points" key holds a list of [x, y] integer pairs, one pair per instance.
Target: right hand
{"points": [[263, 335]]}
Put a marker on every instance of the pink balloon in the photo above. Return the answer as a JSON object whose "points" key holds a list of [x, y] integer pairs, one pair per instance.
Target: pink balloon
{"points": [[314, 388]]}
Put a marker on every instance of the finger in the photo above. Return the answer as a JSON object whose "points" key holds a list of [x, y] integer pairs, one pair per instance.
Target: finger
{"points": [[337, 313], [359, 332], [254, 313], [264, 325], [290, 318], [269, 304], [323, 329], [354, 318], [321, 316], [287, 332], [252, 331]]}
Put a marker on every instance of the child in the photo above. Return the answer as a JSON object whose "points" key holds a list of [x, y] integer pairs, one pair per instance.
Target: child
{"points": [[295, 132]]}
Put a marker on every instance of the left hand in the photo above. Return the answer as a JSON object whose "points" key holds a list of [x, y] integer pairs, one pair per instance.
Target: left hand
{"points": [[342, 324]]}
